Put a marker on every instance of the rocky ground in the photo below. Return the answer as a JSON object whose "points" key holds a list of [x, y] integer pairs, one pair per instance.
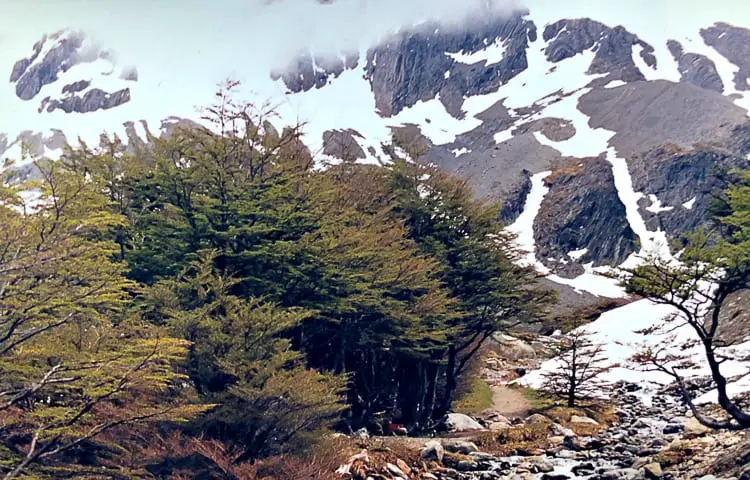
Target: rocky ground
{"points": [[627, 440]]}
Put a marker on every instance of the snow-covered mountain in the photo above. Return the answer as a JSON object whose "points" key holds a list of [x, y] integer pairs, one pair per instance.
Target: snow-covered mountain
{"points": [[598, 126]]}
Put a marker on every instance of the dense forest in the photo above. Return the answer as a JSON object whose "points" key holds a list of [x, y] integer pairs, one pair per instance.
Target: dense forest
{"points": [[219, 284]]}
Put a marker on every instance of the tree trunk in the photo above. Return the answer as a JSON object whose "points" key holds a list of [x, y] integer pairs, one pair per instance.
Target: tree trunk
{"points": [[450, 381], [726, 403], [429, 402]]}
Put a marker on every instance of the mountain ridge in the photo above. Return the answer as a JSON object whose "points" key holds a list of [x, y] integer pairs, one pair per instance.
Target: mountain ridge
{"points": [[496, 102]]}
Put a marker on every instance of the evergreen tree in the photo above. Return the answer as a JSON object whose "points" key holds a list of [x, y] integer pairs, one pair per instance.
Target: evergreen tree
{"points": [[240, 360], [75, 360], [476, 257]]}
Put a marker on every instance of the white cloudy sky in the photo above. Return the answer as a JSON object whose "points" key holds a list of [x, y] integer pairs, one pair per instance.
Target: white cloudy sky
{"points": [[222, 33]]}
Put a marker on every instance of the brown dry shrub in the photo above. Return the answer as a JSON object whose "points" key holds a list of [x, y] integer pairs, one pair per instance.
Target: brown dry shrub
{"points": [[521, 438]]}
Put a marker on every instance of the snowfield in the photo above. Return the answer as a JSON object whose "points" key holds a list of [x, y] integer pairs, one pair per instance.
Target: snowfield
{"points": [[617, 330]]}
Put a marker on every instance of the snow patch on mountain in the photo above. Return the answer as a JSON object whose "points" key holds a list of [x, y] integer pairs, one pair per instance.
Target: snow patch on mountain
{"points": [[656, 206], [493, 53]]}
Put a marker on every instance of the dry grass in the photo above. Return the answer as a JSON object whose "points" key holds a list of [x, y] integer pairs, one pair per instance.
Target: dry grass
{"points": [[604, 415], [517, 440], [569, 169], [674, 455]]}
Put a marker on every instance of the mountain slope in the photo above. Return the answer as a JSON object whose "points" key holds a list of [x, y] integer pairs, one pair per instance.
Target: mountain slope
{"points": [[626, 114]]}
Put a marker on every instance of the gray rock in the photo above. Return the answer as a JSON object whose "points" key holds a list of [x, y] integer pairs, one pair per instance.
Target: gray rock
{"points": [[458, 422], [342, 144], [734, 44], [30, 78], [412, 66], [463, 447], [613, 46], [93, 100], [643, 115], [582, 210], [433, 450]]}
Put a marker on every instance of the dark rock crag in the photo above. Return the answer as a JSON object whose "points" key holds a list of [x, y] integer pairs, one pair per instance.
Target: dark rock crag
{"points": [[66, 49], [582, 210], [696, 69], [733, 43]]}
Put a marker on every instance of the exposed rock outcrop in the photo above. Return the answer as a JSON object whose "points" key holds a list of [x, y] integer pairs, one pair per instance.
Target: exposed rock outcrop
{"points": [[64, 50], [582, 210], [696, 69], [91, 101], [613, 47], [342, 144], [683, 181], [415, 66], [308, 71], [647, 115], [734, 44], [30, 76]]}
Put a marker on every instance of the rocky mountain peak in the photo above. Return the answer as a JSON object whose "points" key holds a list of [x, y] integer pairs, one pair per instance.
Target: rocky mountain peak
{"points": [[56, 55]]}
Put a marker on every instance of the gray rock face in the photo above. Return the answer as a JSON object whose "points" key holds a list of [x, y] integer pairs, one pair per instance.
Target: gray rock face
{"points": [[676, 177], [307, 71], [648, 115], [500, 172], [29, 79], [342, 144], [613, 46], [91, 101], [582, 210], [76, 86], [65, 50], [415, 66], [696, 69], [733, 43]]}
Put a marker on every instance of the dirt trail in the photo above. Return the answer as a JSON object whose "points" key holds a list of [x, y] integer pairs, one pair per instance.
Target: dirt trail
{"points": [[509, 402]]}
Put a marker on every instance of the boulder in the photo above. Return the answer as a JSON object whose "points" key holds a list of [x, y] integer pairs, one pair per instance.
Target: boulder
{"points": [[433, 450], [537, 418], [403, 466], [393, 469], [463, 447], [580, 419], [559, 430], [458, 422], [653, 471], [539, 465], [362, 434], [513, 348], [694, 429]]}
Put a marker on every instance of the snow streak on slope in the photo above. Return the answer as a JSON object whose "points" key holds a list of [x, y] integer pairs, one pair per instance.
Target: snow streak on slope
{"points": [[523, 227]]}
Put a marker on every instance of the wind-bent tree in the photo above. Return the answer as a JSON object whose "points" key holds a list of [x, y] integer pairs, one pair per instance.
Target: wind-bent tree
{"points": [[580, 363], [714, 265], [75, 360]]}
